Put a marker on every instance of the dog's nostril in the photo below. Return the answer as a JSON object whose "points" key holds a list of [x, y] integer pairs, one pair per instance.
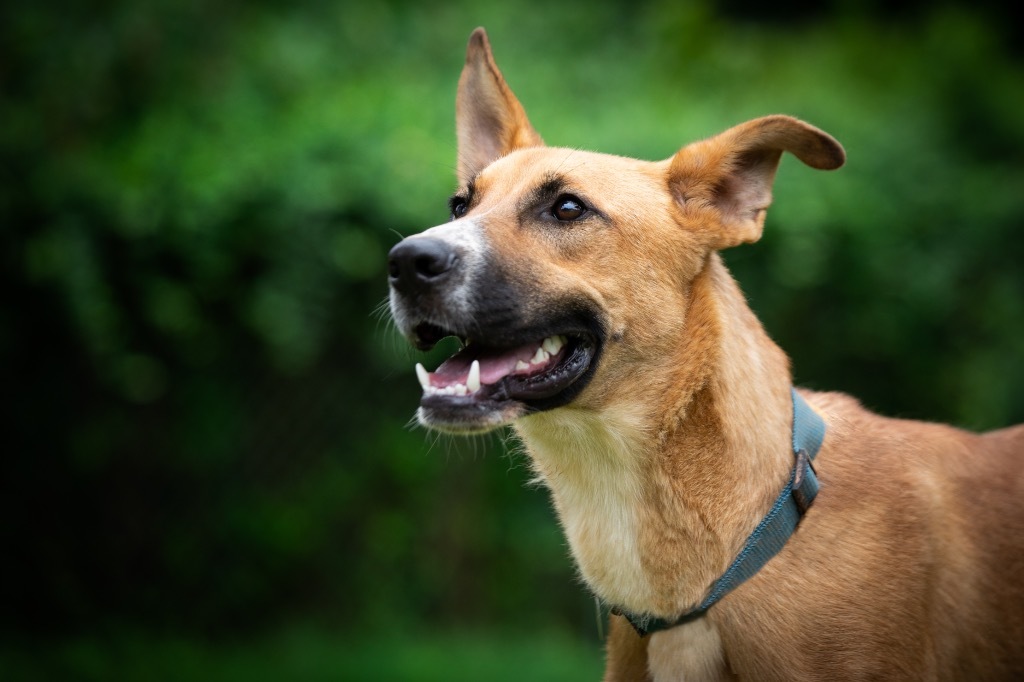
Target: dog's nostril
{"points": [[421, 261], [434, 264]]}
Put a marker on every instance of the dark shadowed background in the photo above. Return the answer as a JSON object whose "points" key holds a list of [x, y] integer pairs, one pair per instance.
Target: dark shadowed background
{"points": [[209, 472]]}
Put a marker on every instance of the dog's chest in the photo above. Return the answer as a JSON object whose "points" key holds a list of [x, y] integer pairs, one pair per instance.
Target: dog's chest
{"points": [[692, 651], [592, 470]]}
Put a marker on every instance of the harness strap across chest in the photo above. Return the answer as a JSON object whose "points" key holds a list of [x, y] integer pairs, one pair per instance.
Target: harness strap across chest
{"points": [[771, 534]]}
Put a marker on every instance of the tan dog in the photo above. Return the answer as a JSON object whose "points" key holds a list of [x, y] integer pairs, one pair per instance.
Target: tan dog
{"points": [[600, 322]]}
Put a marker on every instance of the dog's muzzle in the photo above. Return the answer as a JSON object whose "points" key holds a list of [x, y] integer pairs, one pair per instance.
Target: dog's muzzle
{"points": [[521, 352]]}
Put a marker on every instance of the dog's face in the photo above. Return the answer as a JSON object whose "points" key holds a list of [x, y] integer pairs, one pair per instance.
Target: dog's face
{"points": [[551, 254], [562, 270]]}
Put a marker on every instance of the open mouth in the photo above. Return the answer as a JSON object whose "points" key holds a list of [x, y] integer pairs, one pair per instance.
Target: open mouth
{"points": [[476, 386]]}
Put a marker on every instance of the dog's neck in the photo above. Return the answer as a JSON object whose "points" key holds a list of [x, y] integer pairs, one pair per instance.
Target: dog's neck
{"points": [[659, 487]]}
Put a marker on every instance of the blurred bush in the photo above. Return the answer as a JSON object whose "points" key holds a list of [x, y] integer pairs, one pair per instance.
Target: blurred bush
{"points": [[207, 419]]}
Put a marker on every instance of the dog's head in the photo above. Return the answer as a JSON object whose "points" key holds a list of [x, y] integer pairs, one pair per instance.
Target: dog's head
{"points": [[560, 269]]}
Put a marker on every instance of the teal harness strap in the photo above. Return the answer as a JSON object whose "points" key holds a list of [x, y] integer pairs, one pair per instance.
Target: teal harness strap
{"points": [[775, 528]]}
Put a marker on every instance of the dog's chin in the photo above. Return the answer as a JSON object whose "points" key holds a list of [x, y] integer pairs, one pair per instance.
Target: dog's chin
{"points": [[464, 417], [492, 383]]}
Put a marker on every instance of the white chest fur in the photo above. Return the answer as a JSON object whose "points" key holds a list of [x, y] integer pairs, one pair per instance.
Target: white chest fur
{"points": [[591, 463]]}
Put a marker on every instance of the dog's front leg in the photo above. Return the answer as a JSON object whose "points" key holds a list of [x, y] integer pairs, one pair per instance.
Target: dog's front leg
{"points": [[627, 653]]}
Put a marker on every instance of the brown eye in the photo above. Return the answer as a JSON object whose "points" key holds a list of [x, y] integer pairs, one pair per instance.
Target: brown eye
{"points": [[568, 208]]}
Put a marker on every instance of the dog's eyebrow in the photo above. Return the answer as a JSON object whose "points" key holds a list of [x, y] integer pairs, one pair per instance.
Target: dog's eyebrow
{"points": [[552, 185]]}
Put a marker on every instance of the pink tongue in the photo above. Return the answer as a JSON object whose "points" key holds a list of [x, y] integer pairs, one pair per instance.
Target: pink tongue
{"points": [[455, 370]]}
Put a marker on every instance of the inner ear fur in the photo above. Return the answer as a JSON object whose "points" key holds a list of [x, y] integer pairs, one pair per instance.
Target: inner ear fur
{"points": [[489, 120], [725, 182]]}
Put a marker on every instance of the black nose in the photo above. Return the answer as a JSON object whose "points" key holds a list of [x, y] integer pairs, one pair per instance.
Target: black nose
{"points": [[420, 262]]}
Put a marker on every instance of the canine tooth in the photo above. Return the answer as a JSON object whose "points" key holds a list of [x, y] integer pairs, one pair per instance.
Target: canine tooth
{"points": [[520, 365], [473, 380], [423, 376]]}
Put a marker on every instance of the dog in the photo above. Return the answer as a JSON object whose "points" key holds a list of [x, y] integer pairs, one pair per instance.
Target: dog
{"points": [[598, 320]]}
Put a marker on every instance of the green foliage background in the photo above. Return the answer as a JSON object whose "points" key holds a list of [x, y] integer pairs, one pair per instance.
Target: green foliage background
{"points": [[209, 468]]}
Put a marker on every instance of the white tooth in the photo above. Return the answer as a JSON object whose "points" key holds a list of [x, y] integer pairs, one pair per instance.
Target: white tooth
{"points": [[461, 389], [520, 365], [473, 380], [540, 356], [423, 376], [552, 344]]}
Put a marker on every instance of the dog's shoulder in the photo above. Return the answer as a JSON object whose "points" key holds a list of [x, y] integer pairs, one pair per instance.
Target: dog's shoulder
{"points": [[920, 471]]}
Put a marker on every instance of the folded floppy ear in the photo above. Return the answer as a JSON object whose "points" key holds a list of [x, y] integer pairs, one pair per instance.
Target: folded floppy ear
{"points": [[725, 182], [489, 120]]}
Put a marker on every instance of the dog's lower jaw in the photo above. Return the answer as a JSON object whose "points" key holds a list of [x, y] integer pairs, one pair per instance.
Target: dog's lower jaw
{"points": [[460, 425]]}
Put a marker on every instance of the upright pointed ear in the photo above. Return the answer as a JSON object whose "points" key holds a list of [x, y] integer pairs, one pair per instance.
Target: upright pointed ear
{"points": [[489, 120], [726, 182]]}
